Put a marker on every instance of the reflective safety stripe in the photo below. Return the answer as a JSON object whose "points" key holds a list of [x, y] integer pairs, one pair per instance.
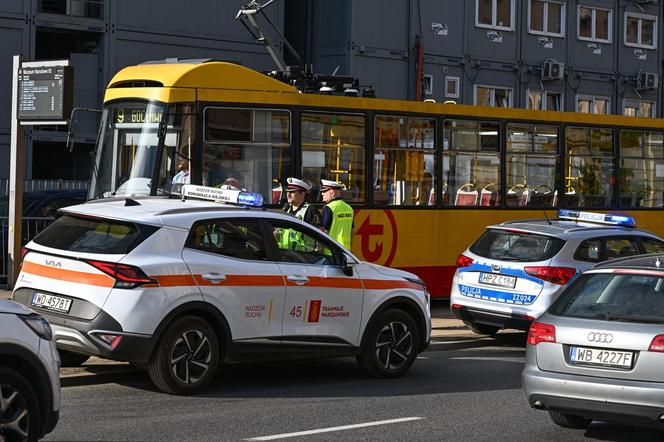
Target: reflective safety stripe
{"points": [[96, 279]]}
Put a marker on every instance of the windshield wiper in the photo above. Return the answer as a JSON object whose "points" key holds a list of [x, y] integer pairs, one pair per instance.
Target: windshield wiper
{"points": [[632, 318]]}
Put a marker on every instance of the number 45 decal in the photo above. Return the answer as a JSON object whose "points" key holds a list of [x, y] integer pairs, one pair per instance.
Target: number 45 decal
{"points": [[296, 312]]}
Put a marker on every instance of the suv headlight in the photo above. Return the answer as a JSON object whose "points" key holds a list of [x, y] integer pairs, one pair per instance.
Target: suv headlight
{"points": [[39, 325]]}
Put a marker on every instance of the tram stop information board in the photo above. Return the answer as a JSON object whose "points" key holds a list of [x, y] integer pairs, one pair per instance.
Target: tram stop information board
{"points": [[44, 93]]}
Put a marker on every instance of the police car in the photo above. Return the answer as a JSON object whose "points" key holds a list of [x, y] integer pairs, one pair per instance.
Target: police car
{"points": [[515, 270], [180, 286]]}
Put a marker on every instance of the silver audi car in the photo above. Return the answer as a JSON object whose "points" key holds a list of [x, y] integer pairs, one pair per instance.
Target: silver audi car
{"points": [[598, 351], [515, 270]]}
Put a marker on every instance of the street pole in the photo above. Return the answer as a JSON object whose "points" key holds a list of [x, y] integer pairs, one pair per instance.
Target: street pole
{"points": [[16, 175]]}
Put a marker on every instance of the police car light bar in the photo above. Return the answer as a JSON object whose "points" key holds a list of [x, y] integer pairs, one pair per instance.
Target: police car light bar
{"points": [[601, 218], [230, 196]]}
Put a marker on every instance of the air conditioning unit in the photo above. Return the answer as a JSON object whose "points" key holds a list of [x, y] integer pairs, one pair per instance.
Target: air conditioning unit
{"points": [[552, 70], [646, 80]]}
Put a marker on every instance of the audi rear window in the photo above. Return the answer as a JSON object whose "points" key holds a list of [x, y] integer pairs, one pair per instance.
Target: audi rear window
{"points": [[507, 245], [94, 235], [620, 297]]}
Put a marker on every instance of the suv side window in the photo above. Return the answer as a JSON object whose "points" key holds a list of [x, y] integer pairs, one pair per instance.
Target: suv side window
{"points": [[619, 247], [651, 245], [589, 250], [235, 237], [297, 244]]}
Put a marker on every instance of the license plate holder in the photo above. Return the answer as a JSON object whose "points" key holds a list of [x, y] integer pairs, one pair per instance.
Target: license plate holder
{"points": [[51, 302], [601, 357], [498, 280]]}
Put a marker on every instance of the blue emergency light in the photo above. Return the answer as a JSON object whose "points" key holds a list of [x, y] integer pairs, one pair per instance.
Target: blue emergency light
{"points": [[601, 218], [250, 199]]}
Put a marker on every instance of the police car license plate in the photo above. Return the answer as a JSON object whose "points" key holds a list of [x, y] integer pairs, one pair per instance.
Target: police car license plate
{"points": [[51, 302], [598, 356], [499, 280]]}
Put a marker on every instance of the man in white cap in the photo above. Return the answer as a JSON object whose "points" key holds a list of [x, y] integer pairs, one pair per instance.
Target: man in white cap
{"points": [[297, 206], [337, 214]]}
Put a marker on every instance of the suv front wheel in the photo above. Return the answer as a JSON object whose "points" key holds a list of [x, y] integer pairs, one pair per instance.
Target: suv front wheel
{"points": [[19, 407], [186, 357], [390, 345]]}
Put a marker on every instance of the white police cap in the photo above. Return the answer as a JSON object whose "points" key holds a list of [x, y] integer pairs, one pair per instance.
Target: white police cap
{"points": [[294, 185], [328, 184]]}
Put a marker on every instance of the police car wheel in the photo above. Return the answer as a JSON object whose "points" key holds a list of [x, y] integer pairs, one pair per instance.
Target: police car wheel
{"points": [[483, 329], [186, 357], [390, 346], [71, 359], [19, 407]]}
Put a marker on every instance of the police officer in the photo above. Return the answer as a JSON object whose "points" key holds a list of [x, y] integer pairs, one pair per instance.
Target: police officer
{"points": [[337, 214], [290, 239], [297, 206]]}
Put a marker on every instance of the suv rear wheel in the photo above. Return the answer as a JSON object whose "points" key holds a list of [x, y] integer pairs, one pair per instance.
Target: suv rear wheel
{"points": [[569, 420], [19, 407], [390, 345], [186, 357]]}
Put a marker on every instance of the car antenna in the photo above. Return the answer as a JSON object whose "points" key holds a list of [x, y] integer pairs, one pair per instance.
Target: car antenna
{"points": [[546, 217], [131, 202]]}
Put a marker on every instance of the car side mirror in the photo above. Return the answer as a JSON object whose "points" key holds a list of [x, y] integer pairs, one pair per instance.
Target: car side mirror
{"points": [[345, 266]]}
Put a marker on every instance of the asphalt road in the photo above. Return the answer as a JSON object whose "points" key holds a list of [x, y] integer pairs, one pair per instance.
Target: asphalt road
{"points": [[451, 393]]}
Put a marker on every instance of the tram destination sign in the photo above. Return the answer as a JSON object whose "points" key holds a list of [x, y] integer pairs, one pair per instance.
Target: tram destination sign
{"points": [[45, 93]]}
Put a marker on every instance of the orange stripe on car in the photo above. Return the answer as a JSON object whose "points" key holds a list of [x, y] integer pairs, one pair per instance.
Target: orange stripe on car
{"points": [[317, 281], [244, 281], [378, 284], [96, 279]]}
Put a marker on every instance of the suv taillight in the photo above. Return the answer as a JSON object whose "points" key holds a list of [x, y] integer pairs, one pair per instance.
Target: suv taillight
{"points": [[464, 261], [556, 275], [657, 344], [126, 276], [540, 332]]}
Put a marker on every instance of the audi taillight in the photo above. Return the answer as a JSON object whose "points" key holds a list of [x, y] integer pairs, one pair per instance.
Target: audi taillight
{"points": [[464, 261], [556, 275], [657, 344], [126, 276], [540, 332]]}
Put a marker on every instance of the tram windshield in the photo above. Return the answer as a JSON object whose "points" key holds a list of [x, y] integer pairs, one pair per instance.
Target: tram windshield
{"points": [[129, 160]]}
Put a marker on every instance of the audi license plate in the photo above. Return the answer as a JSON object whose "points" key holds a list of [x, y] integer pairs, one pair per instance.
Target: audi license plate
{"points": [[598, 356], [51, 302], [499, 280]]}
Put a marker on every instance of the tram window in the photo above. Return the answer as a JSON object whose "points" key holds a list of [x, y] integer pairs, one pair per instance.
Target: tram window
{"points": [[589, 167], [404, 161], [249, 148], [333, 148], [532, 156], [641, 169], [471, 163]]}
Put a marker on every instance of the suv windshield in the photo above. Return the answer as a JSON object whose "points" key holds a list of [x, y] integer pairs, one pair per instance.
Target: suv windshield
{"points": [[93, 235], [614, 297], [507, 245]]}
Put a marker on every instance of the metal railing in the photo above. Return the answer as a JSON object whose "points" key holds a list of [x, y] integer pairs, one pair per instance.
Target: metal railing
{"points": [[38, 185], [31, 227]]}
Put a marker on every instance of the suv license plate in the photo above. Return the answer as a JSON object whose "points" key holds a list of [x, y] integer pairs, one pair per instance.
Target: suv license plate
{"points": [[499, 280], [598, 356], [51, 302]]}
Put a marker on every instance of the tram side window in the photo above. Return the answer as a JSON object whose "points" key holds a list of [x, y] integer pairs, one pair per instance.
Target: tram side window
{"points": [[247, 148], [589, 167], [404, 161], [532, 156], [471, 163], [641, 169], [175, 167], [333, 149]]}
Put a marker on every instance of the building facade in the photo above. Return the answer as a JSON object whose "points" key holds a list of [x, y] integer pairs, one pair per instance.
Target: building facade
{"points": [[601, 56]]}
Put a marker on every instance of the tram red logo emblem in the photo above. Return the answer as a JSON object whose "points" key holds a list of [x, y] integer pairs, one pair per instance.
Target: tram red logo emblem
{"points": [[377, 233]]}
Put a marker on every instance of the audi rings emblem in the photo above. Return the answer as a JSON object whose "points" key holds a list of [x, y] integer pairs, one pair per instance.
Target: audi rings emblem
{"points": [[600, 337]]}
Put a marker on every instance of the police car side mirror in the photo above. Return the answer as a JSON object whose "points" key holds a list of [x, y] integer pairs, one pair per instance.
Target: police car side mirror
{"points": [[345, 266]]}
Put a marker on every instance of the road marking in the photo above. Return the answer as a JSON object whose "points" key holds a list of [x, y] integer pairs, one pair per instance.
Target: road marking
{"points": [[340, 428]]}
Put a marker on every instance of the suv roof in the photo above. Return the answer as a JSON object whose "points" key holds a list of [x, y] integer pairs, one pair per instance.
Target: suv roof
{"points": [[560, 228], [653, 261]]}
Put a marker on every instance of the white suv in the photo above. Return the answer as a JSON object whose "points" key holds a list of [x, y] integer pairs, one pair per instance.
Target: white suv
{"points": [[29, 379], [181, 286]]}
